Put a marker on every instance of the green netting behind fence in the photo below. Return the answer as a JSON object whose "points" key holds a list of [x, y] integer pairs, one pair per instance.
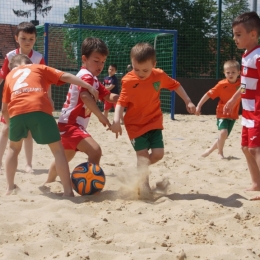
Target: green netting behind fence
{"points": [[64, 53]]}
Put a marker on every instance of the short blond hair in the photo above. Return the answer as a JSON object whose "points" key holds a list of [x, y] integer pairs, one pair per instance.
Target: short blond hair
{"points": [[231, 64]]}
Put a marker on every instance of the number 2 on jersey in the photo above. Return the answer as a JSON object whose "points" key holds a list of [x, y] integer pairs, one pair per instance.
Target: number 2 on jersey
{"points": [[23, 74]]}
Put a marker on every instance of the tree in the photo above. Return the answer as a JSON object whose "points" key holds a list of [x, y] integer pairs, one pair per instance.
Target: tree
{"points": [[88, 14], [40, 7], [232, 8], [195, 20]]}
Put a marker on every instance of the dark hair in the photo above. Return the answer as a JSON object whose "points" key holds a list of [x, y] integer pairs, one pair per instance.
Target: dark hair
{"points": [[18, 60], [26, 27], [114, 66], [142, 52], [92, 44], [250, 21]]}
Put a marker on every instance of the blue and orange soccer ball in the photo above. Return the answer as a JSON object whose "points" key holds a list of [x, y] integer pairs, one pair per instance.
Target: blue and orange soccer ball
{"points": [[88, 178]]}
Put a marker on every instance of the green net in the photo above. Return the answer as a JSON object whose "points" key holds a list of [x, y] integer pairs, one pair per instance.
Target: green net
{"points": [[64, 52]]}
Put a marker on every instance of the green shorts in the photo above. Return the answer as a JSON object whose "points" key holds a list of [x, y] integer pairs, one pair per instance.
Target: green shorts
{"points": [[42, 126], [149, 140], [224, 123]]}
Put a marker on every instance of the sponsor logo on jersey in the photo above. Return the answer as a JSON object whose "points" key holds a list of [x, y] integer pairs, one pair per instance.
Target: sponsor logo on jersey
{"points": [[243, 88], [156, 85]]}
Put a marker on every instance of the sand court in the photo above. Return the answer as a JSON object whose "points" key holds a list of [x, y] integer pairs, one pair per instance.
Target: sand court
{"points": [[203, 213]]}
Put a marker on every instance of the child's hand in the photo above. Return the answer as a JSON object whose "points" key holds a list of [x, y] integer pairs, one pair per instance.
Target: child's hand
{"points": [[104, 121], [116, 128], [197, 112], [227, 109], [191, 108]]}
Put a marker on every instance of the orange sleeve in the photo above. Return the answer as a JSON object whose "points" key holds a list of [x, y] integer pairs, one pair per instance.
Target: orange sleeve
{"points": [[124, 94], [52, 75], [215, 91], [168, 82]]}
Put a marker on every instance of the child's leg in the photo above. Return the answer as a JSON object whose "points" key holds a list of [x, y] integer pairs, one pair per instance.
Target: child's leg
{"points": [[90, 147], [144, 159], [223, 134], [211, 149], [106, 113], [218, 144], [28, 149], [153, 157], [253, 161], [3, 142], [11, 164], [62, 167], [52, 174]]}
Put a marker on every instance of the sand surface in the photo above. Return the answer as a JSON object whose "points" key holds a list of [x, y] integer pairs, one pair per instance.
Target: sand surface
{"points": [[204, 214]]}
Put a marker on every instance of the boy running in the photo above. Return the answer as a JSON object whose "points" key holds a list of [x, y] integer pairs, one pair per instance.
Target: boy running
{"points": [[76, 110], [26, 107], [224, 90], [140, 95]]}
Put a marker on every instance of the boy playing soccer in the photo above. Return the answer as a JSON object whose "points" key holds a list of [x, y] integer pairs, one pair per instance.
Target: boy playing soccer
{"points": [[246, 30], [25, 36], [26, 107], [76, 111], [111, 84], [143, 118], [224, 90]]}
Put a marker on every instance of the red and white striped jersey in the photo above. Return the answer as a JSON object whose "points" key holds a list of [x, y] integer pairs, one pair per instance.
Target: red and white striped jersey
{"points": [[34, 56], [250, 88], [74, 111]]}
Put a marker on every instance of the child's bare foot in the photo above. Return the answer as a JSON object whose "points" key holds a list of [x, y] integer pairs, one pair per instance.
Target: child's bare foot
{"points": [[221, 155], [206, 153], [145, 191], [256, 198], [69, 194], [1, 171], [253, 188], [28, 169], [12, 191]]}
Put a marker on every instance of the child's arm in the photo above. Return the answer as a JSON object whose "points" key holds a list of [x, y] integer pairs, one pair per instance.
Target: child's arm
{"points": [[5, 113], [70, 78], [116, 127], [111, 98], [111, 86], [92, 106], [189, 105], [200, 104], [232, 102]]}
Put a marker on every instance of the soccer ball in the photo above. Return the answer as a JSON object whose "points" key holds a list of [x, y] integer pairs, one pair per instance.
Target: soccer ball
{"points": [[88, 178]]}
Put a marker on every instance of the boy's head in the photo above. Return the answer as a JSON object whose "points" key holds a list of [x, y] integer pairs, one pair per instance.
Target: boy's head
{"points": [[25, 35], [246, 30], [94, 53], [19, 59], [231, 70], [143, 58], [112, 70]]}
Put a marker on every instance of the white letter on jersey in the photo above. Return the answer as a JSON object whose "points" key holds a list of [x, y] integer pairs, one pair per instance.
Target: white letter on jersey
{"points": [[19, 82]]}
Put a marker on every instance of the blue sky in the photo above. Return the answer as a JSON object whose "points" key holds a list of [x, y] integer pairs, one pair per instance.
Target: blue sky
{"points": [[56, 15]]}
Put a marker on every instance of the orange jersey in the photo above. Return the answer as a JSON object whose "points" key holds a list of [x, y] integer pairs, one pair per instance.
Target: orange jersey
{"points": [[224, 90], [26, 87], [142, 100]]}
